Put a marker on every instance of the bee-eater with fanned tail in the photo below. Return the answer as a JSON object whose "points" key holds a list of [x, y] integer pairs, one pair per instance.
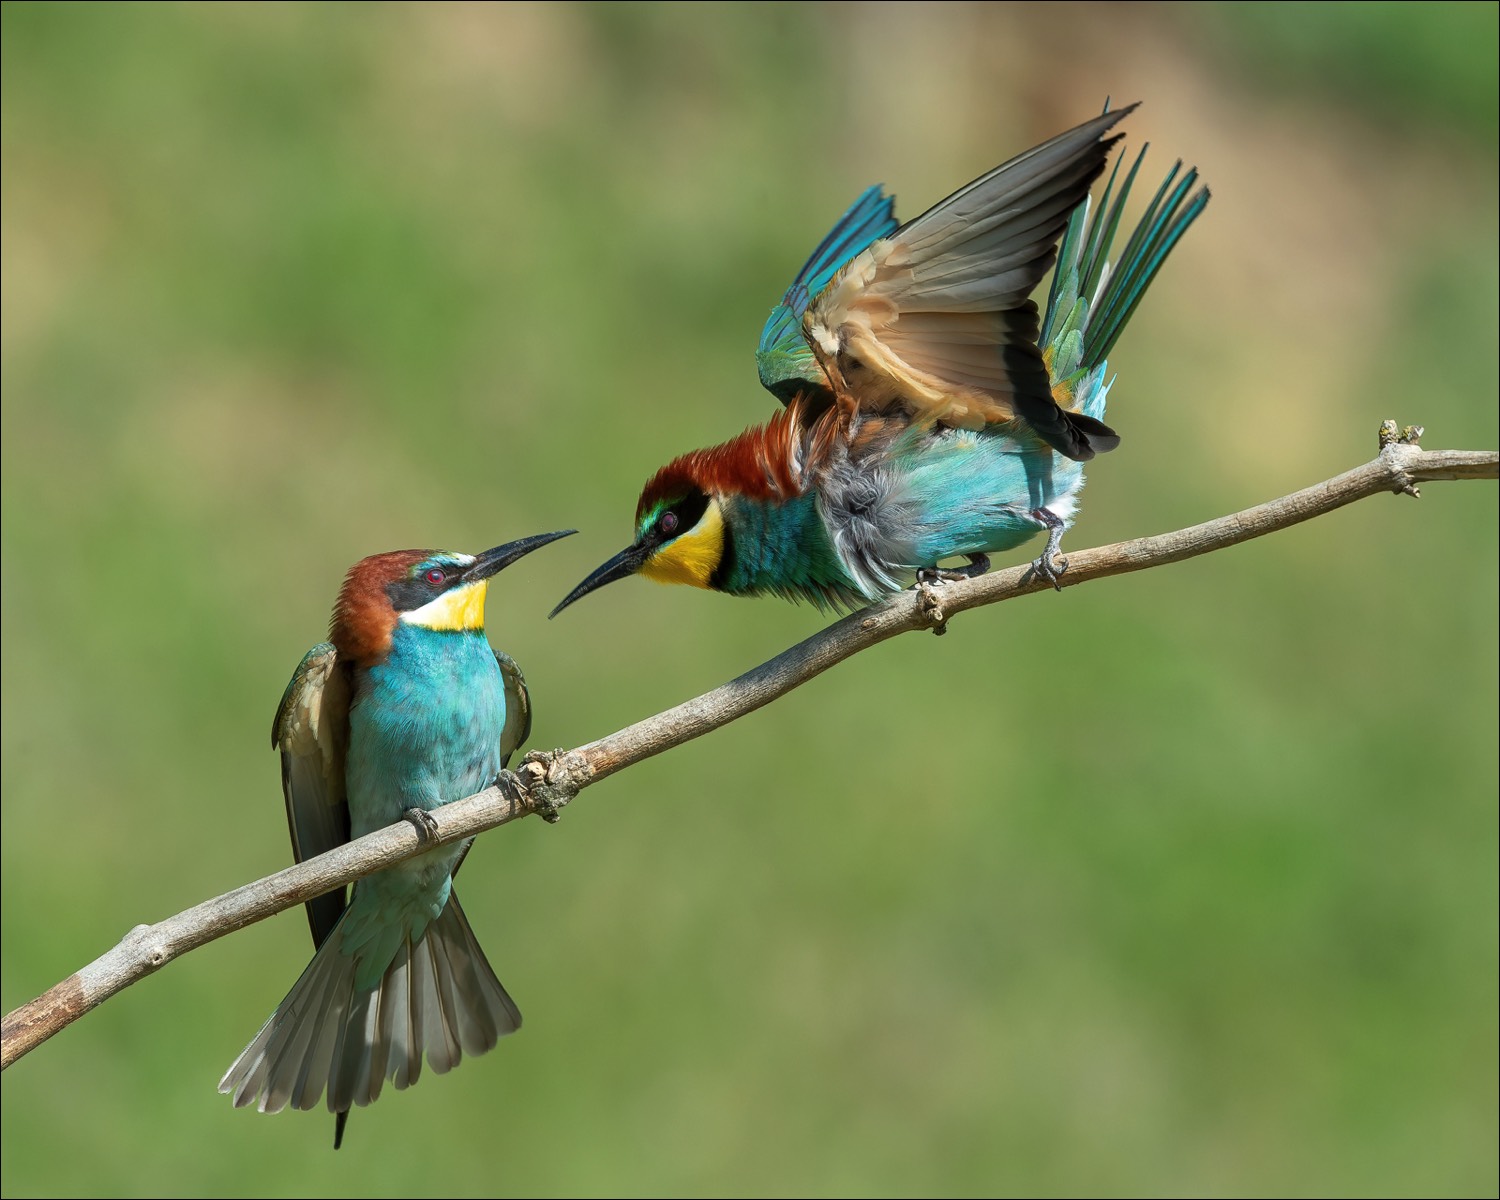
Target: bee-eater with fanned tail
{"points": [[404, 709], [930, 411]]}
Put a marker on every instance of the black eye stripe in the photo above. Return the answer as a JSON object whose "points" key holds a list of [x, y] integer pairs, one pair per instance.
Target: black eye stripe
{"points": [[687, 512], [415, 591]]}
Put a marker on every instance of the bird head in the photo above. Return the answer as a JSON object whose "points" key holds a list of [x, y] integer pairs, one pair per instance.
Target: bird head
{"points": [[680, 534], [439, 590]]}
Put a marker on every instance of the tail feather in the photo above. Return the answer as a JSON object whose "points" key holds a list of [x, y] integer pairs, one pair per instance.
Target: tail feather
{"points": [[250, 1077], [437, 1018], [318, 1060], [399, 1013], [438, 998], [350, 1048], [472, 1027], [1091, 300], [1157, 233], [285, 1056], [444, 1019]]}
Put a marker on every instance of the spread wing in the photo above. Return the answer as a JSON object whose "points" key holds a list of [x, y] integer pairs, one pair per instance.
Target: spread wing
{"points": [[517, 708], [312, 732], [784, 359], [937, 318]]}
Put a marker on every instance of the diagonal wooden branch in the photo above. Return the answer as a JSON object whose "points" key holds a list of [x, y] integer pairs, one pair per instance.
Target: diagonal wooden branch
{"points": [[546, 782]]}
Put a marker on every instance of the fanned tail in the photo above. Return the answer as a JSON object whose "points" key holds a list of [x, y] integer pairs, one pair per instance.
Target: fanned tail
{"points": [[1092, 299], [438, 997]]}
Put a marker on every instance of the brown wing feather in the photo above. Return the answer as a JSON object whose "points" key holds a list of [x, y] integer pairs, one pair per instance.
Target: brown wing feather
{"points": [[517, 707], [937, 317], [312, 732]]}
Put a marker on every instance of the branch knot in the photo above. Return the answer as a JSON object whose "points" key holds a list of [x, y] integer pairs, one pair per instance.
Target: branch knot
{"points": [[1396, 450], [930, 607], [550, 779]]}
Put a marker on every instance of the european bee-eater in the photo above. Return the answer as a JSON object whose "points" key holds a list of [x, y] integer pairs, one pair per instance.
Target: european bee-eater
{"points": [[929, 413], [405, 708]]}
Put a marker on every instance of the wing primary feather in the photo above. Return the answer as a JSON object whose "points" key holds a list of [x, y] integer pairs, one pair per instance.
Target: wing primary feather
{"points": [[785, 364], [860, 225], [1036, 161]]}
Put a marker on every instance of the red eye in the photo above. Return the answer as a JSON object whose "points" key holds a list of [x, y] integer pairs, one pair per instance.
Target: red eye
{"points": [[667, 523], [435, 576]]}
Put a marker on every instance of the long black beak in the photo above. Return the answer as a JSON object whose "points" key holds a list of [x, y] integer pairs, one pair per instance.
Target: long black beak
{"points": [[493, 561], [625, 563]]}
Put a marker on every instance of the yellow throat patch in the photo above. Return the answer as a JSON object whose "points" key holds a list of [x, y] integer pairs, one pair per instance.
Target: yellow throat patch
{"points": [[457, 610], [694, 557]]}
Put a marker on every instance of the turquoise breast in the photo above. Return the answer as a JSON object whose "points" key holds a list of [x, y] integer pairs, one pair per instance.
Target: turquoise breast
{"points": [[425, 726]]}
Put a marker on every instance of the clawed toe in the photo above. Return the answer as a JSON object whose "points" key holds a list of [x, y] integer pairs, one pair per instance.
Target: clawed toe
{"points": [[1047, 565], [424, 821], [1049, 568]]}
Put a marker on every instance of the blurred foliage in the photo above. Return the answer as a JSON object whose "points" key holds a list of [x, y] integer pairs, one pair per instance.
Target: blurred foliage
{"points": [[1177, 883], [1432, 70]]}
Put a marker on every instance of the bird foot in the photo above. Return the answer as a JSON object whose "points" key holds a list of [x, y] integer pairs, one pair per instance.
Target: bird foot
{"points": [[510, 785], [978, 565], [424, 821], [513, 789], [1047, 564]]}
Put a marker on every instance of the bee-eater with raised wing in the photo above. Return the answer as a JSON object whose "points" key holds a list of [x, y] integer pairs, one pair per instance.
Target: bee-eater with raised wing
{"points": [[930, 412], [404, 709]]}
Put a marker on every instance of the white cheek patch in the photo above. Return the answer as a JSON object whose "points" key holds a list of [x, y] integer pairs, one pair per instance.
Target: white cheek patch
{"points": [[458, 609]]}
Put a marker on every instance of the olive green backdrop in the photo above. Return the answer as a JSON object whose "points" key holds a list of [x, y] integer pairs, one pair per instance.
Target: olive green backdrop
{"points": [[1177, 883]]}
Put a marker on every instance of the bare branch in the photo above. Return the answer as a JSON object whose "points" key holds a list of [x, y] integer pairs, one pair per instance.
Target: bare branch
{"points": [[549, 781]]}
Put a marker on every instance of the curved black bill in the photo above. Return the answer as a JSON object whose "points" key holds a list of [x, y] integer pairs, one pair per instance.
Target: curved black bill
{"points": [[627, 562], [496, 560]]}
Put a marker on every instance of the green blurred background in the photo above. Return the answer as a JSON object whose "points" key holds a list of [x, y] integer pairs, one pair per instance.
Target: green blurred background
{"points": [[1178, 883]]}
